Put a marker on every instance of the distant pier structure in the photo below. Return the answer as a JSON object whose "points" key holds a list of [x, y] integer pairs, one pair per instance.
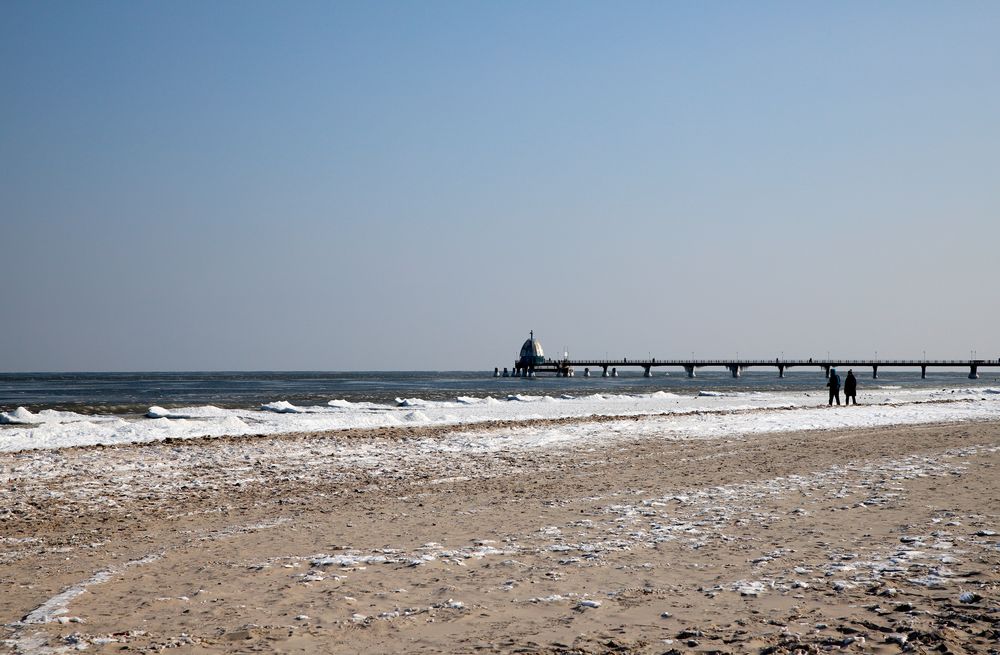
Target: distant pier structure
{"points": [[532, 361]]}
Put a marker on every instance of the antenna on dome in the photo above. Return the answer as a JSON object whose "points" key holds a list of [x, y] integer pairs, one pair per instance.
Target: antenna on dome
{"points": [[532, 333]]}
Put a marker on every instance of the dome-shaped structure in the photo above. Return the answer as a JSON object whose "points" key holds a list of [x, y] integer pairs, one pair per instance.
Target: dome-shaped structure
{"points": [[531, 353]]}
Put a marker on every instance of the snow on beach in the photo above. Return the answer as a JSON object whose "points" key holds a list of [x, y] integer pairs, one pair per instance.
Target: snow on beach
{"points": [[770, 528], [704, 414], [653, 480]]}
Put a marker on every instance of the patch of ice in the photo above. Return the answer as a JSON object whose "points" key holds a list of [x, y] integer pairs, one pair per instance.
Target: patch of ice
{"points": [[751, 588], [208, 411], [347, 560], [282, 407], [57, 605], [20, 416], [23, 416]]}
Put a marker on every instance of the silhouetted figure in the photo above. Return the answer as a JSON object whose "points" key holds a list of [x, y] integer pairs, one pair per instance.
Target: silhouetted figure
{"points": [[834, 385], [850, 388]]}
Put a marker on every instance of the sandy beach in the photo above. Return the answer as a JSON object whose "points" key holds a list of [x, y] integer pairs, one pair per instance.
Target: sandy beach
{"points": [[866, 540]]}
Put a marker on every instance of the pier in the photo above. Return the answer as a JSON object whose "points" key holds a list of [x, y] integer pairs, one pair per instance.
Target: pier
{"points": [[532, 362], [610, 367]]}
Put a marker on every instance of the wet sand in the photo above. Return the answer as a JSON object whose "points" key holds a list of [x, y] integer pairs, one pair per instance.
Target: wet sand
{"points": [[360, 542]]}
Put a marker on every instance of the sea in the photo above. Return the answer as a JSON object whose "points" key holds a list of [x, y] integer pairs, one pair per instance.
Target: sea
{"points": [[134, 393], [62, 410]]}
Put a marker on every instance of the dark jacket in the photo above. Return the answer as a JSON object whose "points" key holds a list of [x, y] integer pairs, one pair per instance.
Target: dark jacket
{"points": [[834, 382], [850, 385]]}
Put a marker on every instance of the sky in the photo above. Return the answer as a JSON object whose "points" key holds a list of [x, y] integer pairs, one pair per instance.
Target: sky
{"points": [[255, 185]]}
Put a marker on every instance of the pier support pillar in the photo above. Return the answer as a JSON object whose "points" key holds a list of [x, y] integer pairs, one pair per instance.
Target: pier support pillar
{"points": [[586, 372], [874, 372], [506, 373], [826, 372], [496, 371], [973, 372], [605, 373], [781, 370], [923, 372], [647, 373], [736, 370], [689, 370], [614, 372]]}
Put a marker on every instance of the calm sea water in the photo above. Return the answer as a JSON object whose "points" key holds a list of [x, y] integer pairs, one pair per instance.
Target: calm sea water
{"points": [[136, 392]]}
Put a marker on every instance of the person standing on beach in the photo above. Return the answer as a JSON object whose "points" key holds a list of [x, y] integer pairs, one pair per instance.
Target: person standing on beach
{"points": [[850, 388], [834, 385]]}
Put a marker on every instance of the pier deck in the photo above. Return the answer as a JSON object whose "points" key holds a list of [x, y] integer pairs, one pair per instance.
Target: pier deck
{"points": [[567, 367]]}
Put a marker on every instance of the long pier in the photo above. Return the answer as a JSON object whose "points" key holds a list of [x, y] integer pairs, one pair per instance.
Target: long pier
{"points": [[609, 367]]}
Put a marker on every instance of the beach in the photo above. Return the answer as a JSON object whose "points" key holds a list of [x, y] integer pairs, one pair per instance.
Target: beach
{"points": [[420, 539], [279, 276]]}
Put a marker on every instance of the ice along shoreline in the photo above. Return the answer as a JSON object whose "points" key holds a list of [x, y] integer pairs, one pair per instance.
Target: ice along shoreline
{"points": [[666, 413]]}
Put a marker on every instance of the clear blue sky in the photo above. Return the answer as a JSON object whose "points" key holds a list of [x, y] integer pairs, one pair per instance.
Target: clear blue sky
{"points": [[415, 185]]}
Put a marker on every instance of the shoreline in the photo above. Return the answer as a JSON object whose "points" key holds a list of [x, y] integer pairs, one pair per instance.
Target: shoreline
{"points": [[418, 430]]}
